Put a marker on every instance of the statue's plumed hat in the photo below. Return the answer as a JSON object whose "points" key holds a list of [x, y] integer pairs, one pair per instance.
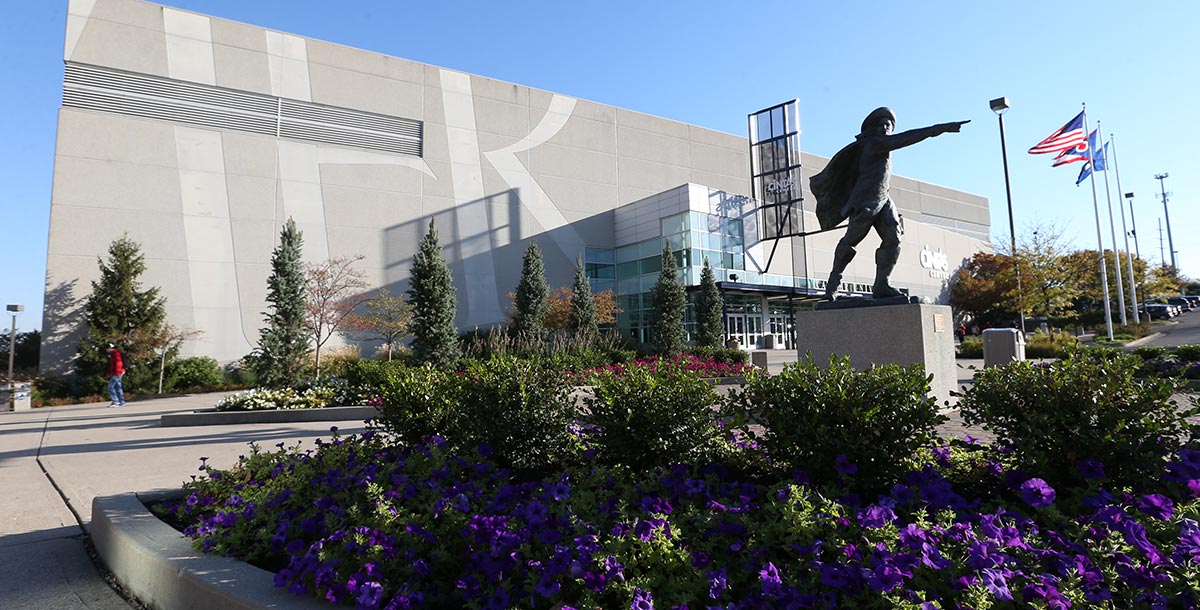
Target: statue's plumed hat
{"points": [[877, 116]]}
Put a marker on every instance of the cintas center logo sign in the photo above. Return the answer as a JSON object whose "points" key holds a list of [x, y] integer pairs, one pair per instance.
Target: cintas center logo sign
{"points": [[936, 262]]}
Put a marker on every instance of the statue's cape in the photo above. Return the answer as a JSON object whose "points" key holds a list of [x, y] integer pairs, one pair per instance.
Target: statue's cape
{"points": [[832, 186]]}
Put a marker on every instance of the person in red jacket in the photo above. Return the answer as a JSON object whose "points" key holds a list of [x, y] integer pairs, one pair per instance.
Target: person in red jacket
{"points": [[116, 370]]}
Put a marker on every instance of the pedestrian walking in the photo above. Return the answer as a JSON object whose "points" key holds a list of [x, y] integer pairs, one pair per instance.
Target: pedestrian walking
{"points": [[116, 370]]}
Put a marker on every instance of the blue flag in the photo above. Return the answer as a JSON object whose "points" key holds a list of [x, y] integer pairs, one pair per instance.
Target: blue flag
{"points": [[1096, 163]]}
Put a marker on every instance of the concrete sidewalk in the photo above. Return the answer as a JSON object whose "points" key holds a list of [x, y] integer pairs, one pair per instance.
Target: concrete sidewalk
{"points": [[54, 461]]}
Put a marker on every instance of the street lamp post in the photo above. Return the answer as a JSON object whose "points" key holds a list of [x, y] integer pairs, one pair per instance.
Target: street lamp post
{"points": [[12, 341], [1136, 247], [999, 105]]}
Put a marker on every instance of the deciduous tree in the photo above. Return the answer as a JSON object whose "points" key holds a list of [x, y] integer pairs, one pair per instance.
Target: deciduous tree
{"points": [[332, 291], [385, 317]]}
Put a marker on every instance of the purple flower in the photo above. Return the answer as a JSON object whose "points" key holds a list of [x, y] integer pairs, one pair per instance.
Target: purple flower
{"points": [[995, 582], [717, 583], [942, 455], [844, 466], [1037, 493], [1189, 540], [1157, 506], [885, 578], [369, 594], [560, 491], [772, 585], [547, 587], [641, 600], [1090, 469], [875, 516]]}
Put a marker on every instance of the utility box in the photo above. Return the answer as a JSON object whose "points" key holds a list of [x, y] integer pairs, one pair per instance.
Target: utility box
{"points": [[759, 359], [17, 398], [1002, 345]]}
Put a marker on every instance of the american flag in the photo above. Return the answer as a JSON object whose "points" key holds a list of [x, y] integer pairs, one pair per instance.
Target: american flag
{"points": [[1079, 152], [1065, 137]]}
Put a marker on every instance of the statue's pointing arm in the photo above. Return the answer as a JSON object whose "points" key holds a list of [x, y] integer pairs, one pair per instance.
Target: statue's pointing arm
{"points": [[912, 136]]}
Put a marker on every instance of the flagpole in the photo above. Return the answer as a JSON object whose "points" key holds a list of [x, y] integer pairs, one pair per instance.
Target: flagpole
{"points": [[1100, 244], [1137, 319], [1111, 225]]}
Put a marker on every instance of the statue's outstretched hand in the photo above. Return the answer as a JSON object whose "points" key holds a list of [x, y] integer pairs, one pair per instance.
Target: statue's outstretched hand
{"points": [[956, 125]]}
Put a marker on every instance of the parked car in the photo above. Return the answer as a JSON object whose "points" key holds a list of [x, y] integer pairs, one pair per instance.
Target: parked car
{"points": [[1159, 311], [1194, 300], [1182, 303]]}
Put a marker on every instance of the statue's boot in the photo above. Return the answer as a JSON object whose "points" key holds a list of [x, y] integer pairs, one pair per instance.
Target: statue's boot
{"points": [[885, 261], [842, 255]]}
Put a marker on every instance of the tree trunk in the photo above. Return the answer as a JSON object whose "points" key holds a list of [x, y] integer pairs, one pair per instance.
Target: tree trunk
{"points": [[389, 346], [162, 366], [317, 374]]}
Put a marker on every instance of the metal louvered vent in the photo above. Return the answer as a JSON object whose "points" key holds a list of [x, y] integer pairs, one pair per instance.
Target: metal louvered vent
{"points": [[154, 97]]}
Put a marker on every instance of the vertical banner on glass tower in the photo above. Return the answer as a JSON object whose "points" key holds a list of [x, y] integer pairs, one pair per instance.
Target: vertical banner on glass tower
{"points": [[775, 170]]}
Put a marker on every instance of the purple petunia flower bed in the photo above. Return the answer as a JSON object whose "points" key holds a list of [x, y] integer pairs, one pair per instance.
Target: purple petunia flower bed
{"points": [[374, 521]]}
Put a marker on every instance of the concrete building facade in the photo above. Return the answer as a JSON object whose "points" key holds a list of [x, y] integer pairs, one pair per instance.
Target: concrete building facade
{"points": [[198, 137]]}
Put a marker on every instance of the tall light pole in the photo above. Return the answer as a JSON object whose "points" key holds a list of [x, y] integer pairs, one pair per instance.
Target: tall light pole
{"points": [[999, 105], [12, 340], [1170, 242], [1136, 247]]}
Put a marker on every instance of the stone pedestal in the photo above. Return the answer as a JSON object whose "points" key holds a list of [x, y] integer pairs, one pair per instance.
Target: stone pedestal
{"points": [[903, 334]]}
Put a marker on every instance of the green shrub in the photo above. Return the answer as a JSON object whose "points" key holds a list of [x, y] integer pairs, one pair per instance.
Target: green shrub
{"points": [[335, 361], [724, 355], [521, 409], [652, 418], [1087, 406], [195, 372], [417, 402], [821, 419], [971, 347], [1052, 344], [1150, 352], [370, 375], [242, 372], [1188, 353]]}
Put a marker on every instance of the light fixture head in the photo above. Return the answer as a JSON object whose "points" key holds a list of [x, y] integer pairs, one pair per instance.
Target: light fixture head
{"points": [[1129, 195], [999, 105], [16, 308]]}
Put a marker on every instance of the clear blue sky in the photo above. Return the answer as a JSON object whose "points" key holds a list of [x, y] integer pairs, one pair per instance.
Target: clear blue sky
{"points": [[710, 63]]}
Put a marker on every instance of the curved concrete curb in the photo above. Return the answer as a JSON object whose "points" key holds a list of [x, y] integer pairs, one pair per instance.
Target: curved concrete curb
{"points": [[159, 567], [280, 416], [1143, 340]]}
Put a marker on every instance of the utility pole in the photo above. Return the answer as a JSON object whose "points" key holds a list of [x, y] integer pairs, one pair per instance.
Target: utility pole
{"points": [[1165, 194], [1161, 254]]}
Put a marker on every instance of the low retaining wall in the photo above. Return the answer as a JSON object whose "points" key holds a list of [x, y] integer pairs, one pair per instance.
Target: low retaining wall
{"points": [[158, 566], [213, 417]]}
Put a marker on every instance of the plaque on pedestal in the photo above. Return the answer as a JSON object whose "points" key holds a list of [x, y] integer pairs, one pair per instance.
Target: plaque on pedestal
{"points": [[904, 334]]}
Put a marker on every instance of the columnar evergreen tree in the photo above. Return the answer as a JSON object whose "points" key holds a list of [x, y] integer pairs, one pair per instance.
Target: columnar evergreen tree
{"points": [[710, 309], [283, 342], [431, 293], [669, 303], [119, 311], [532, 294], [582, 319]]}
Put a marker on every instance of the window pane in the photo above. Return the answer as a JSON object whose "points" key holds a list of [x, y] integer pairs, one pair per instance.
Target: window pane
{"points": [[598, 255], [627, 253], [650, 247], [652, 264], [627, 270]]}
